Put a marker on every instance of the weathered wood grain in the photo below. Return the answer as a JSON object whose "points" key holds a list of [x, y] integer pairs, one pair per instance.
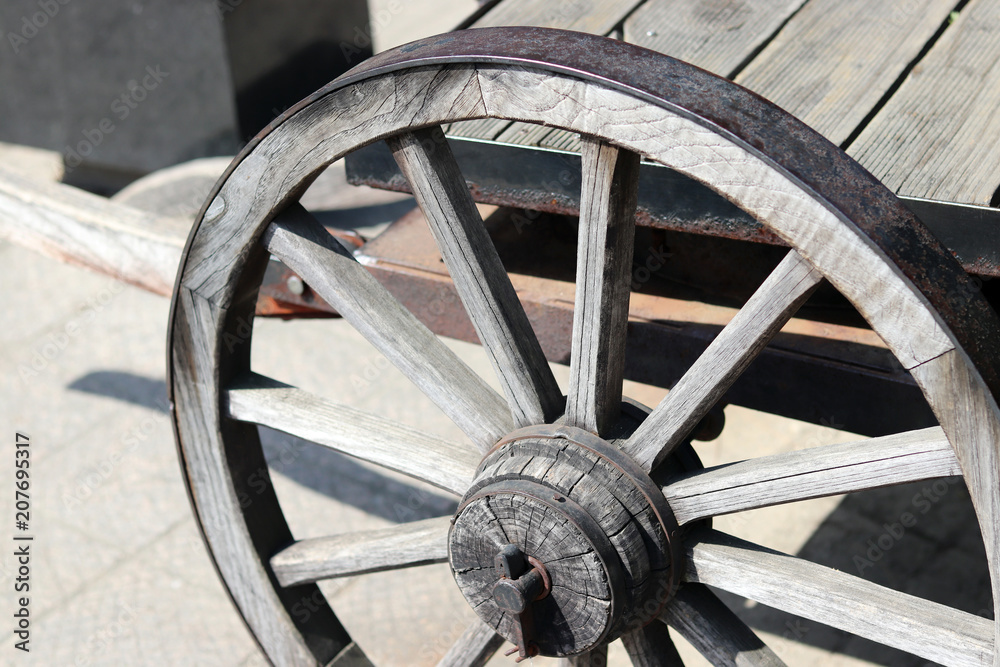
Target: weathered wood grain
{"points": [[738, 344], [309, 250], [812, 473], [406, 545], [610, 179], [480, 278], [80, 228], [717, 36], [620, 508], [651, 646], [938, 136], [474, 648], [715, 631], [577, 610], [835, 59], [360, 434], [926, 629]]}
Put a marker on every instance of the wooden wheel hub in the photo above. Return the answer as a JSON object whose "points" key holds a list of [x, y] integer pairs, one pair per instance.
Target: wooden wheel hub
{"points": [[558, 504]]}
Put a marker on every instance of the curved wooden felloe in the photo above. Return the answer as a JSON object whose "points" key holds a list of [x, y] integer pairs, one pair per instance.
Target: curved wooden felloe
{"points": [[841, 224]]}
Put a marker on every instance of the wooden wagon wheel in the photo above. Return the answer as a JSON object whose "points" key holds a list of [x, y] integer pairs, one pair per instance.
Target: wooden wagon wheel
{"points": [[620, 561]]}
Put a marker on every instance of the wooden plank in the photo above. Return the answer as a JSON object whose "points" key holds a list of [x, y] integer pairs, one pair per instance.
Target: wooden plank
{"points": [[308, 249], [524, 134], [938, 137], [651, 646], [479, 276], [80, 228], [365, 436], [835, 59], [406, 545], [485, 128], [609, 186], [718, 39], [812, 473], [597, 17], [738, 344], [474, 648], [926, 629], [561, 140], [717, 36], [715, 631]]}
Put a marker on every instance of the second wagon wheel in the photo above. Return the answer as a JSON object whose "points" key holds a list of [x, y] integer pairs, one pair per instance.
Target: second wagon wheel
{"points": [[562, 542]]}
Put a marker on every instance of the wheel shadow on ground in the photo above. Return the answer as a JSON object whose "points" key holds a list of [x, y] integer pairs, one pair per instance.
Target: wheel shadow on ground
{"points": [[145, 392], [318, 468], [922, 539]]}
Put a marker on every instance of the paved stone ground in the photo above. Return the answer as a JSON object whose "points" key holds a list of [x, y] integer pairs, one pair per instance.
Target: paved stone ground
{"points": [[120, 576]]}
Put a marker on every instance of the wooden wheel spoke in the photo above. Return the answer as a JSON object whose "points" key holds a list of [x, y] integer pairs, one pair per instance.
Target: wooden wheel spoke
{"points": [[596, 658], [480, 278], [604, 258], [812, 473], [923, 628], [308, 249], [406, 545], [365, 436], [474, 648], [651, 646], [714, 630], [738, 344]]}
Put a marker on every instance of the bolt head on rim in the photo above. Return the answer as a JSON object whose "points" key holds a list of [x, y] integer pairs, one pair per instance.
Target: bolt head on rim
{"points": [[560, 503]]}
